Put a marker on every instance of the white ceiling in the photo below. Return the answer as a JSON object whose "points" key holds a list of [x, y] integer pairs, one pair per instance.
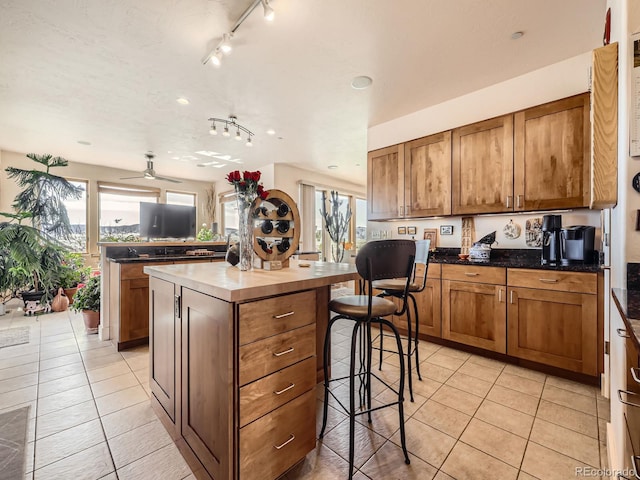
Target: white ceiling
{"points": [[109, 72]]}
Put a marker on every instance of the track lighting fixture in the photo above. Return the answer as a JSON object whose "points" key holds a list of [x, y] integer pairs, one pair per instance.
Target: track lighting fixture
{"points": [[224, 46], [231, 122]]}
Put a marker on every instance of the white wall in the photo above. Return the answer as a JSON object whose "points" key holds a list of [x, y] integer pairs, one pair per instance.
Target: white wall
{"points": [[92, 174]]}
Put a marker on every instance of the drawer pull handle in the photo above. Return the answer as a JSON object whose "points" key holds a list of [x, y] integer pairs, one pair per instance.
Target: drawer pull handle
{"points": [[292, 437], [282, 315], [627, 402], [280, 392], [289, 350], [469, 274], [548, 280], [622, 333], [634, 374]]}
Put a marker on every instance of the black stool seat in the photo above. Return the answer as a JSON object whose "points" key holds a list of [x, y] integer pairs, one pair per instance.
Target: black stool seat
{"points": [[357, 306]]}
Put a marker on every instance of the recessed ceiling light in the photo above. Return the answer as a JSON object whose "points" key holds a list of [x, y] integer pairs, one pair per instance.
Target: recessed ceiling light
{"points": [[84, 142], [182, 101], [361, 82], [332, 167], [271, 131], [516, 35]]}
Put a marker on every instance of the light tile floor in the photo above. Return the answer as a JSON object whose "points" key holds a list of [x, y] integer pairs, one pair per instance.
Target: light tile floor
{"points": [[473, 418]]}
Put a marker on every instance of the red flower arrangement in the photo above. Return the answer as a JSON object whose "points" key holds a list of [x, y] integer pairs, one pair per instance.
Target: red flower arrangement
{"points": [[247, 183]]}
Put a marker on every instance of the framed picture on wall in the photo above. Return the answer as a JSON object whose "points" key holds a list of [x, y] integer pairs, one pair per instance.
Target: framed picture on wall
{"points": [[402, 230], [446, 229], [431, 234], [411, 230]]}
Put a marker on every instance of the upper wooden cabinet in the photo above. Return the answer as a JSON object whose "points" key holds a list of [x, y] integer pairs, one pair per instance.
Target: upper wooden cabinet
{"points": [[385, 183], [552, 155], [427, 176], [482, 167]]}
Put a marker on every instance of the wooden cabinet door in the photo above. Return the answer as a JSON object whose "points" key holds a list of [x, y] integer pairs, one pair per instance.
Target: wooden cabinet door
{"points": [[385, 183], [164, 337], [427, 176], [429, 312], [134, 309], [207, 381], [552, 155], [474, 314], [482, 167], [554, 328]]}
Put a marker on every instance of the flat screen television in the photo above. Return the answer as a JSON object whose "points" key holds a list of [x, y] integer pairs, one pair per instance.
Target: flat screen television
{"points": [[159, 220]]}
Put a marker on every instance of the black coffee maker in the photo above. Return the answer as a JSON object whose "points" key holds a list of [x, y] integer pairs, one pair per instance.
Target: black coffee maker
{"points": [[551, 227], [577, 245]]}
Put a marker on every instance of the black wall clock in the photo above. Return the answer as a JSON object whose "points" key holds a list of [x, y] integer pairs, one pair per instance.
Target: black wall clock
{"points": [[635, 183]]}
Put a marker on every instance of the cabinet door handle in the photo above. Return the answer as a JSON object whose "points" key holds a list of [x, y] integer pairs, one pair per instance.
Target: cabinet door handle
{"points": [[511, 296], [469, 274], [509, 197], [289, 350], [634, 374], [401, 211], [622, 333], [548, 280], [176, 306], [519, 201], [282, 315], [627, 402], [500, 295], [292, 437], [280, 392]]}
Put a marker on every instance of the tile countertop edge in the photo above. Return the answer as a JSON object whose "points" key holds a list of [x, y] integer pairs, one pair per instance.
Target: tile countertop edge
{"points": [[227, 283], [628, 304]]}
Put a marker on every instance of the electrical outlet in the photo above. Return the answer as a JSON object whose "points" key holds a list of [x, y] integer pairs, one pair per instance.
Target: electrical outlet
{"points": [[375, 235]]}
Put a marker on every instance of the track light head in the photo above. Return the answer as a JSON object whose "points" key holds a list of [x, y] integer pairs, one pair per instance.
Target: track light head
{"points": [[249, 143], [225, 133], [225, 44], [269, 14], [213, 130], [238, 136], [216, 58]]}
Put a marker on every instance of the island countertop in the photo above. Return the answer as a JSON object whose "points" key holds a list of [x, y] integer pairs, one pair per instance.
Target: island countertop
{"points": [[223, 281]]}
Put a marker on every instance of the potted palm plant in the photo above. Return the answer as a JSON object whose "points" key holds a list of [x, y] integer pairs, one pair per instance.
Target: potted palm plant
{"points": [[72, 272], [32, 234], [87, 301]]}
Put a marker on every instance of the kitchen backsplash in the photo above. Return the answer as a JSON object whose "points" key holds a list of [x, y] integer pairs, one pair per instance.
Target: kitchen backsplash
{"points": [[633, 276], [483, 224]]}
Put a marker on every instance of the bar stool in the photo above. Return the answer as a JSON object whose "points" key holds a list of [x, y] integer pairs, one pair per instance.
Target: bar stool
{"points": [[377, 260], [396, 288]]}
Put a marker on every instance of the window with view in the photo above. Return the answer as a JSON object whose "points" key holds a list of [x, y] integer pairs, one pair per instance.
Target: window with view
{"points": [[119, 211], [177, 198], [361, 222], [77, 212]]}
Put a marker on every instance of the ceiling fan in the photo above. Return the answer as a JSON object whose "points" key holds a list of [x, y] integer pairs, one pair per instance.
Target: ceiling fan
{"points": [[149, 173]]}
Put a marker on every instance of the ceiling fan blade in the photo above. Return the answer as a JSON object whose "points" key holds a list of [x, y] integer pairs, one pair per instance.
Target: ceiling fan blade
{"points": [[129, 178], [168, 179]]}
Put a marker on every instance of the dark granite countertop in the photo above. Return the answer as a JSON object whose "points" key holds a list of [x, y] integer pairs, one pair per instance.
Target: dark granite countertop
{"points": [[628, 303], [165, 258], [509, 258]]}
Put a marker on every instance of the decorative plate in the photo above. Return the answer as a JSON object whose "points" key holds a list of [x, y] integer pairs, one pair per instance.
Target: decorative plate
{"points": [[512, 230], [533, 232]]}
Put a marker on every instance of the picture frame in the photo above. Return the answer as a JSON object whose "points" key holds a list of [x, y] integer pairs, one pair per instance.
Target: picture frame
{"points": [[402, 230], [411, 230], [446, 229], [431, 234]]}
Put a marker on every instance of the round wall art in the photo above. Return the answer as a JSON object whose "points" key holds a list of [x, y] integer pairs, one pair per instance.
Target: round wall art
{"points": [[512, 230]]}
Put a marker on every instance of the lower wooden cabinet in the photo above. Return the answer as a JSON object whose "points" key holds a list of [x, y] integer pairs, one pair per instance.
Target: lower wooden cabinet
{"points": [[474, 314], [554, 328]]}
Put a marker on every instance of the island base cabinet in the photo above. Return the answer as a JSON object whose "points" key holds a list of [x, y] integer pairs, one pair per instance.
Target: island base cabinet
{"points": [[207, 381], [273, 443], [164, 334], [554, 328], [474, 314]]}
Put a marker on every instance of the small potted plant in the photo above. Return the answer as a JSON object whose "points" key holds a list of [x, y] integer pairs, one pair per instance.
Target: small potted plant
{"points": [[87, 301], [72, 273]]}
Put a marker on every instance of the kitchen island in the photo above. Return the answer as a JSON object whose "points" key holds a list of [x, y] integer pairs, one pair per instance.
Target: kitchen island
{"points": [[235, 357]]}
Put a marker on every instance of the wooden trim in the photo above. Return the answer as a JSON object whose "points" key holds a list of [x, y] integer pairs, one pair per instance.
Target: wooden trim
{"points": [[132, 343]]}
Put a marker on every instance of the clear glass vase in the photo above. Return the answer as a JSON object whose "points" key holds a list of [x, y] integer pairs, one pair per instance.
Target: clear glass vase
{"points": [[245, 230]]}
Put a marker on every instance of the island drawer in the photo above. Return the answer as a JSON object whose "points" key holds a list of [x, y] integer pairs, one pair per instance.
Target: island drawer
{"points": [[274, 443], [575, 282], [268, 393], [259, 359], [272, 316], [129, 271], [474, 273]]}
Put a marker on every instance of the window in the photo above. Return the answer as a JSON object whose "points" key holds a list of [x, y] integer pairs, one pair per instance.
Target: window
{"points": [[230, 219], [77, 212], [320, 230], [119, 211], [361, 222], [177, 198]]}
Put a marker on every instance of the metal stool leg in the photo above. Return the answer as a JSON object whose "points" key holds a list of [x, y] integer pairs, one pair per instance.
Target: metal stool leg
{"points": [[417, 339], [352, 401], [409, 337], [325, 365]]}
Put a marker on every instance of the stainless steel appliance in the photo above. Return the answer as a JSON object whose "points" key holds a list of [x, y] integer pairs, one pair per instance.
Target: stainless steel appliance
{"points": [[551, 226], [576, 245]]}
